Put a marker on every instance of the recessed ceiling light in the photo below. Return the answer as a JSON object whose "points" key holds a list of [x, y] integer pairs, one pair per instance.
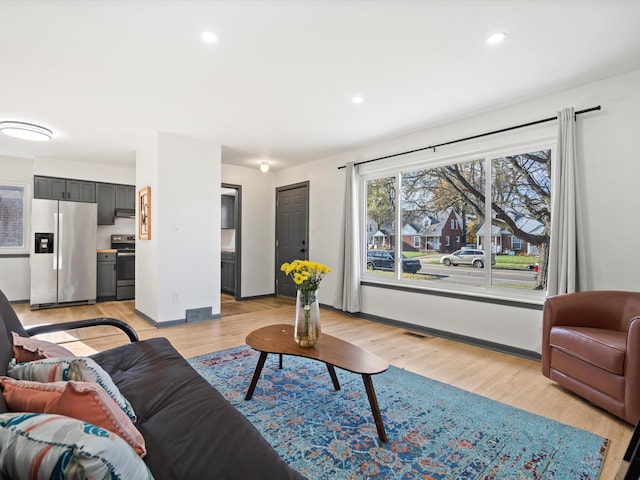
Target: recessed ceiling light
{"points": [[26, 131], [496, 38], [209, 37], [357, 99]]}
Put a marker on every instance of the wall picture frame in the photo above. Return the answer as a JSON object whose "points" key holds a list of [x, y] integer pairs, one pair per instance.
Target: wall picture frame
{"points": [[144, 213]]}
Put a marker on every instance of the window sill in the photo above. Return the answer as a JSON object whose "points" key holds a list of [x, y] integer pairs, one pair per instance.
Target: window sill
{"points": [[523, 299]]}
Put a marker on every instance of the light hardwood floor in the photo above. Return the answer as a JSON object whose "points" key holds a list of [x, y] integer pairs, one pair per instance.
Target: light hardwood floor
{"points": [[505, 378]]}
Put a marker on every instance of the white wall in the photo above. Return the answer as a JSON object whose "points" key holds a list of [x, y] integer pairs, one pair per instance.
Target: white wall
{"points": [[147, 250], [179, 267], [257, 229], [15, 273], [609, 146], [97, 172]]}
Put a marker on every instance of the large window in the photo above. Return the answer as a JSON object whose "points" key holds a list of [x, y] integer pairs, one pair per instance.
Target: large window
{"points": [[12, 217], [482, 223]]}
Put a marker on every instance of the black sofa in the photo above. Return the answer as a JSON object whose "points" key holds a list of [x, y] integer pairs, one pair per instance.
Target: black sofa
{"points": [[190, 430]]}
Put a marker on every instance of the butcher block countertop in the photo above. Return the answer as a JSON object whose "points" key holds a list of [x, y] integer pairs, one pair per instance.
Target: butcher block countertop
{"points": [[107, 250]]}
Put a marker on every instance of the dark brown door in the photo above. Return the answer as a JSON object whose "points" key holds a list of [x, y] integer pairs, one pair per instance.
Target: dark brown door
{"points": [[292, 232]]}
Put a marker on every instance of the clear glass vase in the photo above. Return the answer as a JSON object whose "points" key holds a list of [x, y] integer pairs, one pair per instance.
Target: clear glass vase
{"points": [[306, 331]]}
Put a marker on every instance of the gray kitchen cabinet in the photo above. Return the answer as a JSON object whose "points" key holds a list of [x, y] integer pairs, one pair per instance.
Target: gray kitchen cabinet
{"points": [[112, 197], [228, 272], [106, 284], [126, 196], [49, 188], [106, 199], [81, 191], [227, 218], [54, 188]]}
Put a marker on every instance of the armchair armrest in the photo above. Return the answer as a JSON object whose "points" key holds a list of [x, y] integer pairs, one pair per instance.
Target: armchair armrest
{"points": [[92, 322]]}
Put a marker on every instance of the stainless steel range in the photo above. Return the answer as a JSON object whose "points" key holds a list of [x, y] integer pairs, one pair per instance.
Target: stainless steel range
{"points": [[125, 245]]}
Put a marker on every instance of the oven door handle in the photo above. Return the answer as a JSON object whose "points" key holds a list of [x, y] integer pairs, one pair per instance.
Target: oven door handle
{"points": [[126, 254]]}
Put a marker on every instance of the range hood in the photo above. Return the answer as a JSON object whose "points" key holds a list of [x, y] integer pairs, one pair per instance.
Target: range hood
{"points": [[125, 212]]}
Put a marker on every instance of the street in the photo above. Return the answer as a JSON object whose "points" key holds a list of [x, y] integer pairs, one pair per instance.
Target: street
{"points": [[475, 276]]}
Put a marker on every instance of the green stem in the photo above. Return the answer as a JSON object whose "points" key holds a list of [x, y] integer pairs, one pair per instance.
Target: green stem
{"points": [[308, 298]]}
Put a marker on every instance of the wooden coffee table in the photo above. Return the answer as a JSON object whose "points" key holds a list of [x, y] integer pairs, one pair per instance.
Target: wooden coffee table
{"points": [[330, 350]]}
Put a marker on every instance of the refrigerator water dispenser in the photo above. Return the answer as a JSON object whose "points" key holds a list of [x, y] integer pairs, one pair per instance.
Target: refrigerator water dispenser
{"points": [[43, 243]]}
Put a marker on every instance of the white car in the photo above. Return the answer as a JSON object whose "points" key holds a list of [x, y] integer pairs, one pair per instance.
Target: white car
{"points": [[466, 256]]}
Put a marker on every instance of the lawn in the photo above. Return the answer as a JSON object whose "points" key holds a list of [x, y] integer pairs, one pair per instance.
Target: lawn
{"points": [[506, 262], [515, 262]]}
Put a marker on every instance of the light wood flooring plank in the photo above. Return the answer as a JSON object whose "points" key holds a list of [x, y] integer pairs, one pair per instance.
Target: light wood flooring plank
{"points": [[505, 378]]}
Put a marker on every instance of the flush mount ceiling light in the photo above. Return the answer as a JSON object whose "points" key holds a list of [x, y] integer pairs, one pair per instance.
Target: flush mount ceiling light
{"points": [[26, 131], [209, 37], [264, 167], [496, 38], [357, 99]]}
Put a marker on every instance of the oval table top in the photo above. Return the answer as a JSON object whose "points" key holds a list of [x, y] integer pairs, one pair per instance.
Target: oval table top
{"points": [[329, 349]]}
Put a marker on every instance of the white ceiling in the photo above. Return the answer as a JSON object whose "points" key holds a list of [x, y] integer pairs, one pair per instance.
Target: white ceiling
{"points": [[278, 83]]}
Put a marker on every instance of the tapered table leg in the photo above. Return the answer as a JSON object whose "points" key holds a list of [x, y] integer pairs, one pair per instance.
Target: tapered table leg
{"points": [[256, 375], [333, 352], [334, 377], [373, 401]]}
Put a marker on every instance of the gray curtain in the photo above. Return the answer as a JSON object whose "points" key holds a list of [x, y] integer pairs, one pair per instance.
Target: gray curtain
{"points": [[567, 259], [348, 270]]}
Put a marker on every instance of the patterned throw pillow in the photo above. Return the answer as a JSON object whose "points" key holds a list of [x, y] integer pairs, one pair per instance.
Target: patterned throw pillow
{"points": [[29, 349], [86, 401], [36, 445], [80, 369]]}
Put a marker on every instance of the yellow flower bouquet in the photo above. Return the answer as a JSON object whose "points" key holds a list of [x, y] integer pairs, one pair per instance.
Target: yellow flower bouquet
{"points": [[307, 276]]}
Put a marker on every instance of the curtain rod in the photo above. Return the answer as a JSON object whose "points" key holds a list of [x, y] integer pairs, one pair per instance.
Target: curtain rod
{"points": [[473, 137]]}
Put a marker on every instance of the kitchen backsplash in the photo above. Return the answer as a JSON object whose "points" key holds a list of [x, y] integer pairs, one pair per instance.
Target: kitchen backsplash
{"points": [[126, 226]]}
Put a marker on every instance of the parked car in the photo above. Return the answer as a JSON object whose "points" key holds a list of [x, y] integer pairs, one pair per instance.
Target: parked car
{"points": [[385, 260], [466, 256]]}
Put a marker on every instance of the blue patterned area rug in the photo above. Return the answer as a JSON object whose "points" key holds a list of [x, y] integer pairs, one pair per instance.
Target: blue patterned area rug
{"points": [[435, 431]]}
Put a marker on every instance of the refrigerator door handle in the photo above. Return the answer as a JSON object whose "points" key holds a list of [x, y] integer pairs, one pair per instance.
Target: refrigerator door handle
{"points": [[60, 238], [56, 239]]}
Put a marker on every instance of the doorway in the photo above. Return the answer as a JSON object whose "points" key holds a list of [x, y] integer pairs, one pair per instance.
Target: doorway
{"points": [[292, 232], [230, 240]]}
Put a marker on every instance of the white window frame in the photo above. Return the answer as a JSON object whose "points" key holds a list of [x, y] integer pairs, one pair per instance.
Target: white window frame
{"points": [[416, 241], [516, 241], [26, 210], [397, 168]]}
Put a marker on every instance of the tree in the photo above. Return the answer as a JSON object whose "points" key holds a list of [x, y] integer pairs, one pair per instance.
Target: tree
{"points": [[381, 199], [521, 186]]}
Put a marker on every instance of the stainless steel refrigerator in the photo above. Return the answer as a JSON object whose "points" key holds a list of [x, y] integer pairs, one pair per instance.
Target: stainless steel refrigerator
{"points": [[63, 258]]}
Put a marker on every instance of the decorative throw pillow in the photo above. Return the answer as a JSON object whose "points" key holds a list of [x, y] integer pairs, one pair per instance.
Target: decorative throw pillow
{"points": [[36, 445], [80, 369], [29, 349], [86, 401]]}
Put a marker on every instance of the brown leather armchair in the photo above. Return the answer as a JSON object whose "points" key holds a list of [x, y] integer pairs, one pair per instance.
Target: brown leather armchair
{"points": [[591, 346]]}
